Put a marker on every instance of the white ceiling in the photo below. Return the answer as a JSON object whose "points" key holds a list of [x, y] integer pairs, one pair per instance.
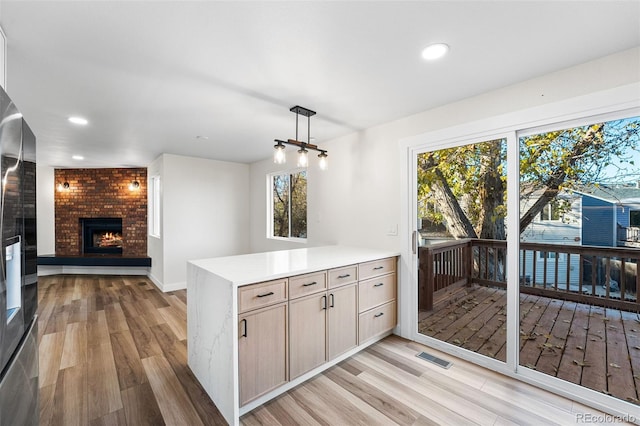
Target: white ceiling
{"points": [[151, 76]]}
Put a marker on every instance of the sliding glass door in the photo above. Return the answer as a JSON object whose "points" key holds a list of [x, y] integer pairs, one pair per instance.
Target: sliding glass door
{"points": [[579, 253], [557, 304], [461, 211]]}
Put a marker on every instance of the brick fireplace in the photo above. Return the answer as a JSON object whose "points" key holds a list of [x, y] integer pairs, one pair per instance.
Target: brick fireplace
{"points": [[100, 194]]}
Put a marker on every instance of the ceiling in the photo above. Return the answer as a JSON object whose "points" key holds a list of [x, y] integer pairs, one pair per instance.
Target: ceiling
{"points": [[153, 76]]}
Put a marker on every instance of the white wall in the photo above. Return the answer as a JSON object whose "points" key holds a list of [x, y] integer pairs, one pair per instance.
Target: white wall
{"points": [[357, 200], [45, 211], [205, 213], [155, 247]]}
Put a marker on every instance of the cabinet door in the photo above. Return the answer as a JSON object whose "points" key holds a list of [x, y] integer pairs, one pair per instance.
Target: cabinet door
{"points": [[376, 292], [376, 321], [262, 351], [342, 319], [307, 333]]}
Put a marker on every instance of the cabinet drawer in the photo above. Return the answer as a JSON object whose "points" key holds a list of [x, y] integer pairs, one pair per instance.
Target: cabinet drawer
{"points": [[376, 268], [264, 294], [341, 276], [376, 321], [307, 284], [376, 291]]}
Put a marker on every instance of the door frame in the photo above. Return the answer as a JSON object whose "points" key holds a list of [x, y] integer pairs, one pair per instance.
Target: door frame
{"points": [[623, 100]]}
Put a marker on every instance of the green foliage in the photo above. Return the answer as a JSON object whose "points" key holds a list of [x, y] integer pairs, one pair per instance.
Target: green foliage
{"points": [[463, 170], [549, 162], [581, 154]]}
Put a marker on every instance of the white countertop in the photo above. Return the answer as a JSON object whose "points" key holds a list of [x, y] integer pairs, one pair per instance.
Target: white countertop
{"points": [[257, 267]]}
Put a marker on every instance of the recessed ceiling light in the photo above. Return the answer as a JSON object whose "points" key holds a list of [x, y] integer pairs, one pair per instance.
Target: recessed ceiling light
{"points": [[78, 120], [435, 51], [202, 137], [77, 157]]}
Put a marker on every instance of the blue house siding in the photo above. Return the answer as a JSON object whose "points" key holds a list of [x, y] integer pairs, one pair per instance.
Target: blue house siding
{"points": [[597, 222]]}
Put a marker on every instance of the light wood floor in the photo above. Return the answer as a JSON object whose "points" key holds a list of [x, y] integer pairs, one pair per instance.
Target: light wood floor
{"points": [[113, 352]]}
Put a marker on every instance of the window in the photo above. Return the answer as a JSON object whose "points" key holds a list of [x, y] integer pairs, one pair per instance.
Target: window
{"points": [[288, 218], [551, 211], [634, 218], [154, 206]]}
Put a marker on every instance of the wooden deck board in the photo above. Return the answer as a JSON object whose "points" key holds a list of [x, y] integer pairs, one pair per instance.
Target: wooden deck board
{"points": [[587, 345], [631, 324], [594, 373], [574, 353], [619, 371]]}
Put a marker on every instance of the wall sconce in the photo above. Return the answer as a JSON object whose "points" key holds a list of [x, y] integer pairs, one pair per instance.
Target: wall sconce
{"points": [[279, 156], [134, 186], [63, 186]]}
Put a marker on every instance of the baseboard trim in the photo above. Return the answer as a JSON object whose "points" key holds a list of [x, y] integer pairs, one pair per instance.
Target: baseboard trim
{"points": [[44, 270], [174, 286], [165, 288]]}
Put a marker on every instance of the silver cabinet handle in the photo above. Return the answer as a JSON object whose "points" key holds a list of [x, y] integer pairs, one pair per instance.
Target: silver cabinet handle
{"points": [[414, 238]]}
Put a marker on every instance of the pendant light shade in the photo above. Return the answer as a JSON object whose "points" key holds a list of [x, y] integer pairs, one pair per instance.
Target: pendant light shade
{"points": [[279, 156], [303, 157], [324, 161]]}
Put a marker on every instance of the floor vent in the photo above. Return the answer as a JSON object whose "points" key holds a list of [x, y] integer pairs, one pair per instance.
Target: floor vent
{"points": [[435, 360]]}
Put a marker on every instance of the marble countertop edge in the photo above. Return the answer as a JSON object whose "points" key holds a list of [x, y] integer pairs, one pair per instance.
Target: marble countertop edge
{"points": [[252, 268]]}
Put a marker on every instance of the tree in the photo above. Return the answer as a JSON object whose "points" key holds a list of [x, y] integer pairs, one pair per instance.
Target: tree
{"points": [[466, 186], [290, 205]]}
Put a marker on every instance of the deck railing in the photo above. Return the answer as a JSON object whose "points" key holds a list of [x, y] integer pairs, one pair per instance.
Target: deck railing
{"points": [[601, 276], [630, 234]]}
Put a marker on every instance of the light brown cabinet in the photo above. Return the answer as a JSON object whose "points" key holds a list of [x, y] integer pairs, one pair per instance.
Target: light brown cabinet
{"points": [[324, 325], [290, 326], [263, 294], [377, 291], [342, 320], [307, 333], [262, 351], [376, 321]]}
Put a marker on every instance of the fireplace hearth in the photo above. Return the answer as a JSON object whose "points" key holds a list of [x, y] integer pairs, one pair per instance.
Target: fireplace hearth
{"points": [[101, 235]]}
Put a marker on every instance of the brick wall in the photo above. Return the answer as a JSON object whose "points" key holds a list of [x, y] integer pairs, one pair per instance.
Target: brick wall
{"points": [[100, 193]]}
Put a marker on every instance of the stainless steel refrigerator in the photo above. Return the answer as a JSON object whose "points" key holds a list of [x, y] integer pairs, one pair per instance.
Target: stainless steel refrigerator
{"points": [[18, 269]]}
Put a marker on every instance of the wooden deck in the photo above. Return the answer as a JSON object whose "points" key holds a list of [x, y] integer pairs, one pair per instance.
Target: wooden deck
{"points": [[592, 346]]}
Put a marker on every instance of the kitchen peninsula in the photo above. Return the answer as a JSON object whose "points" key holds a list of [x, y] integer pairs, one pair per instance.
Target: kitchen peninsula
{"points": [[260, 324]]}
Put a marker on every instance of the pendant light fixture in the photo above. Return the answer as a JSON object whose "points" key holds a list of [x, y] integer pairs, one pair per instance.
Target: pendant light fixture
{"points": [[279, 156]]}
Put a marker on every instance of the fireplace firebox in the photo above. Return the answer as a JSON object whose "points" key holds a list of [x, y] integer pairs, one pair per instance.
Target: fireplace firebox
{"points": [[101, 235]]}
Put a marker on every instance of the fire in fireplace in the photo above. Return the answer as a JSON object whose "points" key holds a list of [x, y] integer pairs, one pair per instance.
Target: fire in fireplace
{"points": [[101, 235]]}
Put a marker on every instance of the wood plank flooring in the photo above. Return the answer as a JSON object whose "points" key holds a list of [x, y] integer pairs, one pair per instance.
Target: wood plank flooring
{"points": [[588, 345], [113, 352]]}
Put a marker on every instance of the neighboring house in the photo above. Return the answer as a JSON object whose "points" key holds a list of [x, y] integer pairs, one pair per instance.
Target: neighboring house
{"points": [[595, 216], [610, 216], [559, 223]]}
